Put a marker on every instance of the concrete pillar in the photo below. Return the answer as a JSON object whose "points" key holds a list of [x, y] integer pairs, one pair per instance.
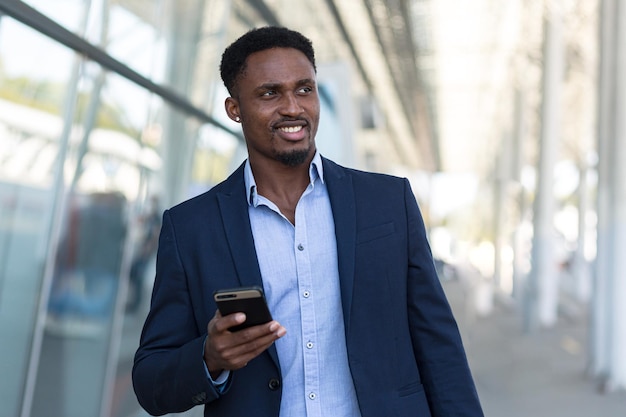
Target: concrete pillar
{"points": [[617, 376], [519, 132], [608, 321], [600, 310], [542, 289], [579, 266], [499, 208], [498, 231]]}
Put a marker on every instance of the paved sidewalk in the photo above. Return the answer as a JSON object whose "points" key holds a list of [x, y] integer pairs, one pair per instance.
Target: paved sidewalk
{"points": [[530, 375]]}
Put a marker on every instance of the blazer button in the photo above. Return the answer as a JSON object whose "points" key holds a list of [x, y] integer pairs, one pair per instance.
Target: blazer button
{"points": [[274, 384], [199, 398]]}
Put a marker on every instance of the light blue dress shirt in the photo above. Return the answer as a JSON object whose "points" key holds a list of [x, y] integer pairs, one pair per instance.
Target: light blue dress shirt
{"points": [[301, 281]]}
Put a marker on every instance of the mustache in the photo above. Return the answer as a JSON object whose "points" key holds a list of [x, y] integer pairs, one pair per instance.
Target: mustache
{"points": [[291, 119]]}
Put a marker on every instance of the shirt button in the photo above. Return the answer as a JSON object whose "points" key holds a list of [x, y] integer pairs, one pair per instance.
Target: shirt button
{"points": [[312, 396], [306, 294], [300, 247], [309, 345]]}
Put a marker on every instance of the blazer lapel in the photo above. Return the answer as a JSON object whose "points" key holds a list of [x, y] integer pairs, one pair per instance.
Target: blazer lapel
{"points": [[234, 211], [343, 204]]}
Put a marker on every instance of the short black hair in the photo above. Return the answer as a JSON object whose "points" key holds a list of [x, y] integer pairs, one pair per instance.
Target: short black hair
{"points": [[234, 57]]}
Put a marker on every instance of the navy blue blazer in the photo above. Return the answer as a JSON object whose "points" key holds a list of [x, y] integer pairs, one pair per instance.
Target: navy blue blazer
{"points": [[404, 349]]}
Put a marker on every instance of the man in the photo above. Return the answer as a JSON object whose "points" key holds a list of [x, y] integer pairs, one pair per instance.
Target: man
{"points": [[362, 326]]}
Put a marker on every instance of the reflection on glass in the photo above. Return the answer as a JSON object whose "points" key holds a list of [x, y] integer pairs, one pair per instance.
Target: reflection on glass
{"points": [[80, 199], [29, 109], [88, 264], [108, 158]]}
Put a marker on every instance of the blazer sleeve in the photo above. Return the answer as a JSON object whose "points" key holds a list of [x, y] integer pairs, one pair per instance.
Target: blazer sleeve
{"points": [[437, 344], [168, 372]]}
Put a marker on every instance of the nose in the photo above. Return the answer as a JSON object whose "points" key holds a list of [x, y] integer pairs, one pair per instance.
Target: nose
{"points": [[290, 105]]}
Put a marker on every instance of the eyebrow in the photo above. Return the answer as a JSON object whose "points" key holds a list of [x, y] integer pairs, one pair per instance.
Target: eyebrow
{"points": [[275, 85]]}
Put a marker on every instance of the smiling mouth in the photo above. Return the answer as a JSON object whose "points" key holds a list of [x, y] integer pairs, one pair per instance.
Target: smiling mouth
{"points": [[291, 129]]}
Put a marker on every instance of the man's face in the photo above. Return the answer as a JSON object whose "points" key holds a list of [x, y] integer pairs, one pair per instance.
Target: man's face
{"points": [[278, 103]]}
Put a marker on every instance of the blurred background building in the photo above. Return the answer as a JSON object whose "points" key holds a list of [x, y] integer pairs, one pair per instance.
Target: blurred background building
{"points": [[507, 116]]}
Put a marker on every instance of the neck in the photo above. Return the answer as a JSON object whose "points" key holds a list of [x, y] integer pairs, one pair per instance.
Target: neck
{"points": [[283, 185], [284, 180]]}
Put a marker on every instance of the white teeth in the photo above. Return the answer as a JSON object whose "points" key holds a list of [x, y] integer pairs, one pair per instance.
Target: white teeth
{"points": [[291, 129]]}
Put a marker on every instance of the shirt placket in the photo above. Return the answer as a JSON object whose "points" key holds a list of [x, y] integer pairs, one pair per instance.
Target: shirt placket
{"points": [[307, 311]]}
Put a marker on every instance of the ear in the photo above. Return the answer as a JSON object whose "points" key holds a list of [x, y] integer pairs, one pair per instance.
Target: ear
{"points": [[232, 109]]}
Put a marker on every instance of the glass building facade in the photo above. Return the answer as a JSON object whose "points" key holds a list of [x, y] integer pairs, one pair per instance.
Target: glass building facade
{"points": [[111, 111]]}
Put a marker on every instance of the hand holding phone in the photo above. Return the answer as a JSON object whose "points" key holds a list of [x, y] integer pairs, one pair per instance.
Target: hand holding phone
{"points": [[232, 351], [247, 300]]}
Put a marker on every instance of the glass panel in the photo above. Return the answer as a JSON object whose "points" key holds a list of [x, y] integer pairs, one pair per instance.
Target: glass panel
{"points": [[109, 158], [80, 240], [68, 13], [109, 175], [130, 31], [31, 100], [143, 225], [175, 43]]}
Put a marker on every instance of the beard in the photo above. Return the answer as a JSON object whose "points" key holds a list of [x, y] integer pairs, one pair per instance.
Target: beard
{"points": [[293, 158]]}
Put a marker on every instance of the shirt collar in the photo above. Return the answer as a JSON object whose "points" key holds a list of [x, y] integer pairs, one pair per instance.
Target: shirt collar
{"points": [[316, 170]]}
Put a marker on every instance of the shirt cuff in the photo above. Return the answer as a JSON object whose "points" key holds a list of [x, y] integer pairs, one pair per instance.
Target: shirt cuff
{"points": [[220, 382]]}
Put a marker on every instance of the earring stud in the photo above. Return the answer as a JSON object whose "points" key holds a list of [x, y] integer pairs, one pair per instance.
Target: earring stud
{"points": [[237, 119]]}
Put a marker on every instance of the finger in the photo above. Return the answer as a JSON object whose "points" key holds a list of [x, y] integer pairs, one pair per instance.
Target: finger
{"points": [[254, 332], [224, 323], [253, 341], [239, 356], [233, 350]]}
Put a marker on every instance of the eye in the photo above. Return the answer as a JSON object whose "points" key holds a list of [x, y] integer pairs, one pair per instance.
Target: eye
{"points": [[305, 90], [268, 93]]}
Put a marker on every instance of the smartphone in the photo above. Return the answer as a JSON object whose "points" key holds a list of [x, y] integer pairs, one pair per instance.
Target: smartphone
{"points": [[248, 300]]}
